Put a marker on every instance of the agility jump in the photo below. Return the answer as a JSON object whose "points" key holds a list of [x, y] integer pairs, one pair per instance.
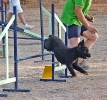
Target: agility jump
{"points": [[16, 60], [5, 34], [51, 69]]}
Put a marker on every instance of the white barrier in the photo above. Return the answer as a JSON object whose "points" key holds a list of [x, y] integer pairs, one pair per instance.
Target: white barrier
{"points": [[61, 26], [5, 33]]}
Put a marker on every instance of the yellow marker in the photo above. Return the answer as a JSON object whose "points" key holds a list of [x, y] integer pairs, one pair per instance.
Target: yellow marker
{"points": [[47, 74]]}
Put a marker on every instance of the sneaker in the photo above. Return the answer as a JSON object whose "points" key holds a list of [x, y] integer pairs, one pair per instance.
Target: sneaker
{"points": [[29, 26], [60, 73], [84, 65]]}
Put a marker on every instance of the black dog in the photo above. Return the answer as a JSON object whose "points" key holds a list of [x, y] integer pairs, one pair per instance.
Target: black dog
{"points": [[66, 55]]}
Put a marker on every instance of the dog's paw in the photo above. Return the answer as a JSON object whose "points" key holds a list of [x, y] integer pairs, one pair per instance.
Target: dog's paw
{"points": [[86, 73], [74, 76]]}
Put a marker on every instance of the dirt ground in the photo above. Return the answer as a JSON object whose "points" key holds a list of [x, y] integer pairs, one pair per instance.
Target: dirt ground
{"points": [[82, 87]]}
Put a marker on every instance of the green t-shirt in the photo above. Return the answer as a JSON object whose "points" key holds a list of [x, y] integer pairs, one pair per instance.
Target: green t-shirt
{"points": [[68, 14]]}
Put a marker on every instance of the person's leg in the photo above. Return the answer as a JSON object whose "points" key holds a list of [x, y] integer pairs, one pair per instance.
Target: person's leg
{"points": [[9, 16], [21, 17], [74, 33], [18, 9], [90, 40], [74, 42]]}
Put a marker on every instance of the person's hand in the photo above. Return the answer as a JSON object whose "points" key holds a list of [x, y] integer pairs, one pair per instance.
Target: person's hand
{"points": [[92, 29], [90, 18]]}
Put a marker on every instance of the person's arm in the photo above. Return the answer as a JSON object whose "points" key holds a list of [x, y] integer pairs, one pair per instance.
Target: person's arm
{"points": [[83, 20]]}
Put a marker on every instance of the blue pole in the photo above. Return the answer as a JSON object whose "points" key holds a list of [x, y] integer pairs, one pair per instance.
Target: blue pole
{"points": [[2, 14], [53, 59], [2, 18], [5, 11], [66, 36], [66, 43], [15, 50], [42, 30]]}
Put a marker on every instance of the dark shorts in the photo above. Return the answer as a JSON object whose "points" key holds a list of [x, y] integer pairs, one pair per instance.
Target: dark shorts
{"points": [[75, 31]]}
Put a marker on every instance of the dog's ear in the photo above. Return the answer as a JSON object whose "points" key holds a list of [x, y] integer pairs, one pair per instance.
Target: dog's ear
{"points": [[81, 43], [50, 35], [45, 40]]}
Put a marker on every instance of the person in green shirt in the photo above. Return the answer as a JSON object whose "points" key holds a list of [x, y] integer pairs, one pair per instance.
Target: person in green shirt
{"points": [[75, 15]]}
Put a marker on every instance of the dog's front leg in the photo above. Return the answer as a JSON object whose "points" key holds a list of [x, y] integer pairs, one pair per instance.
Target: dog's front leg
{"points": [[70, 68], [76, 67]]}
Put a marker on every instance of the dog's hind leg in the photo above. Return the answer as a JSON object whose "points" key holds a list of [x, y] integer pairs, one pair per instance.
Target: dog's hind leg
{"points": [[71, 69], [76, 67]]}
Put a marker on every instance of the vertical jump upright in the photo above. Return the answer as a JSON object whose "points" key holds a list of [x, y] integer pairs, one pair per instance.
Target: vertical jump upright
{"points": [[53, 58], [2, 18], [15, 58]]}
